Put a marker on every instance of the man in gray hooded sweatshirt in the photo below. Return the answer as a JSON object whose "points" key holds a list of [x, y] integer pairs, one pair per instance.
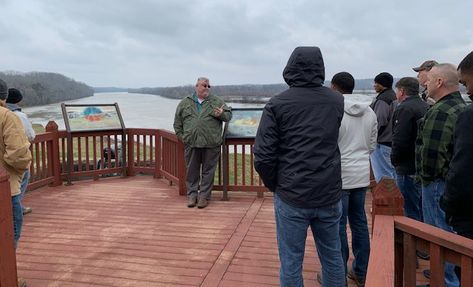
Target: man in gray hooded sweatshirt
{"points": [[297, 156]]}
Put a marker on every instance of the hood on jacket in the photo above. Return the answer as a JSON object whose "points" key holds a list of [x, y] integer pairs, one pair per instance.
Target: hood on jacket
{"points": [[305, 68], [356, 105]]}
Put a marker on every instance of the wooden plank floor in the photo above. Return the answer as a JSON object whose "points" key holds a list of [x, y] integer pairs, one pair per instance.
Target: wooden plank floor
{"points": [[138, 231]]}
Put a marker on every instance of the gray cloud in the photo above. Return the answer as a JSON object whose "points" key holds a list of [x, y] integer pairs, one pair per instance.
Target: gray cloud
{"points": [[166, 43]]}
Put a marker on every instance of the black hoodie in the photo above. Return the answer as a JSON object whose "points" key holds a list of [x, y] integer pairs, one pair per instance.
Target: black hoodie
{"points": [[296, 147]]}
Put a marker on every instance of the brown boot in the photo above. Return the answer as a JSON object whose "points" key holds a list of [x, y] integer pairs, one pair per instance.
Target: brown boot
{"points": [[21, 282], [191, 201], [202, 202]]}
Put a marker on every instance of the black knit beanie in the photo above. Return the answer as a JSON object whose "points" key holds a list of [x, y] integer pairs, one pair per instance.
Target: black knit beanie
{"points": [[14, 96], [384, 79]]}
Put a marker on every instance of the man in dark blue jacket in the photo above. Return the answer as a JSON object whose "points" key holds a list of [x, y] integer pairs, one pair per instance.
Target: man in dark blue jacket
{"points": [[297, 157]]}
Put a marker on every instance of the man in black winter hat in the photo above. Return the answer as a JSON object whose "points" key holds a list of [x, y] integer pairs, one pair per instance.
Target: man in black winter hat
{"points": [[15, 97], [383, 106]]}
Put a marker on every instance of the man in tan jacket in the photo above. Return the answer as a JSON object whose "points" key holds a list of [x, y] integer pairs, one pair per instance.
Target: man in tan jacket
{"points": [[15, 158]]}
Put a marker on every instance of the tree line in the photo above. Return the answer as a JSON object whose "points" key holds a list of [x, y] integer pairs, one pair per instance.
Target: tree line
{"points": [[244, 93], [40, 88]]}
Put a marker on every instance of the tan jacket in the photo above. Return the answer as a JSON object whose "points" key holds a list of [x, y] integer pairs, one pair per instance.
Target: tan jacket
{"points": [[15, 155]]}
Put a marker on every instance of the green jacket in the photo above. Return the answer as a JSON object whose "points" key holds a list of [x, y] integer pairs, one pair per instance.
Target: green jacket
{"points": [[434, 144], [196, 124]]}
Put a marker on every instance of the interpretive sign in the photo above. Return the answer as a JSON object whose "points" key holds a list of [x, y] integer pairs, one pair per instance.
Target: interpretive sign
{"points": [[93, 117], [244, 123]]}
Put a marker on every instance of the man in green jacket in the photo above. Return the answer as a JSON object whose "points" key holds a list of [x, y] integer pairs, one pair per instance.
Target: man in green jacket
{"points": [[198, 123]]}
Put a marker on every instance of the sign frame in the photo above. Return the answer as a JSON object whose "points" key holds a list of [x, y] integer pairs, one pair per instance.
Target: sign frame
{"points": [[72, 111]]}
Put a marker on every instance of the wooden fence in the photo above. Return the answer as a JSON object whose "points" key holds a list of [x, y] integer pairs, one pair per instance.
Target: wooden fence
{"points": [[396, 239], [59, 156]]}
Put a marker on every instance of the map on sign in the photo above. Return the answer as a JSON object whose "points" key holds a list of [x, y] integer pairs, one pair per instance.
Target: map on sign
{"points": [[92, 117], [244, 123]]}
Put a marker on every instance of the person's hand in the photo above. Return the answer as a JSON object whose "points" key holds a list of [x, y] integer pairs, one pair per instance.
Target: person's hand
{"points": [[218, 111]]}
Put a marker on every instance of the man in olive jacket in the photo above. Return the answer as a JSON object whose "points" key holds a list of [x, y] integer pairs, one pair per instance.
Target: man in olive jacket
{"points": [[198, 124], [297, 156]]}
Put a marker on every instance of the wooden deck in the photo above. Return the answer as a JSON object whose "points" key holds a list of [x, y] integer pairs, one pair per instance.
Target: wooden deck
{"points": [[137, 231]]}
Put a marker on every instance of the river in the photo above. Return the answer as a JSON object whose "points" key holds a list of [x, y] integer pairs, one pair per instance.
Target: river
{"points": [[138, 110]]}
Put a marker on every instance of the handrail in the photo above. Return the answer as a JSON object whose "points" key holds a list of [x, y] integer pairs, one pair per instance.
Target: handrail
{"points": [[150, 151], [393, 252], [8, 272]]}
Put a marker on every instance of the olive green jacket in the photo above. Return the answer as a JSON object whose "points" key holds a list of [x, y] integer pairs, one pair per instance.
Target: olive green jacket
{"points": [[198, 126]]}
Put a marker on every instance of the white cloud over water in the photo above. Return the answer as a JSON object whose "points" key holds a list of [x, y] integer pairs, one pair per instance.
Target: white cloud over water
{"points": [[165, 43]]}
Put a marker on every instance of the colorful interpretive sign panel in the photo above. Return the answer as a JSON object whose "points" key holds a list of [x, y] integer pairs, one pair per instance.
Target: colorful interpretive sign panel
{"points": [[92, 117], [244, 123]]}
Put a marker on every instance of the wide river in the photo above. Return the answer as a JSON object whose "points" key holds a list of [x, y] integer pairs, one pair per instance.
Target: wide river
{"points": [[138, 110]]}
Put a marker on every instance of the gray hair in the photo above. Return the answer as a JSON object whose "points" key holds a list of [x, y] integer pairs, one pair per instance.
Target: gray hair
{"points": [[202, 79], [409, 84]]}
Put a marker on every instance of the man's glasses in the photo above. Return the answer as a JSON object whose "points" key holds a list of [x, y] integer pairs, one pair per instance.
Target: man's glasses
{"points": [[205, 86]]}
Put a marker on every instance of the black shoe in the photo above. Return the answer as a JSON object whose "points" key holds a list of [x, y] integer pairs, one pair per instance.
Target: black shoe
{"points": [[426, 273], [191, 201], [422, 255]]}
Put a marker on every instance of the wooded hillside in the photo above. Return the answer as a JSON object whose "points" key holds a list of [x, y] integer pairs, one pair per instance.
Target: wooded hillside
{"points": [[39, 88]]}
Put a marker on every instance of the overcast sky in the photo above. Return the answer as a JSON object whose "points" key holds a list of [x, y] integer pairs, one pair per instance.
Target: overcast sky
{"points": [[151, 43]]}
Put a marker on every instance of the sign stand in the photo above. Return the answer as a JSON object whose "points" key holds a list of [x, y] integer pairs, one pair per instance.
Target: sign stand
{"points": [[243, 125], [90, 118]]}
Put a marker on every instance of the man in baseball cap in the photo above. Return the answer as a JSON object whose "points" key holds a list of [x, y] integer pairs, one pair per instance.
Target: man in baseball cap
{"points": [[422, 71]]}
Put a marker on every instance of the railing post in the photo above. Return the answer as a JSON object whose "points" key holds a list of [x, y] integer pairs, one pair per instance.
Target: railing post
{"points": [[131, 153], [387, 199], [157, 154], [8, 273], [181, 168], [53, 153]]}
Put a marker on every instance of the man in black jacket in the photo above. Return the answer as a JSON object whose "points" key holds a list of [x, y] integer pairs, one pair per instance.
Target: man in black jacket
{"points": [[458, 196], [408, 113], [297, 156], [383, 106]]}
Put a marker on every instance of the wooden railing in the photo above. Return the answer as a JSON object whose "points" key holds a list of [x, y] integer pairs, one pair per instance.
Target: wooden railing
{"points": [[395, 241], [59, 156], [8, 274], [393, 252]]}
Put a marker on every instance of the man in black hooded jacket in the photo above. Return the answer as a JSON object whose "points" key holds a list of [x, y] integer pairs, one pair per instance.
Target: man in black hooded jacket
{"points": [[297, 156]]}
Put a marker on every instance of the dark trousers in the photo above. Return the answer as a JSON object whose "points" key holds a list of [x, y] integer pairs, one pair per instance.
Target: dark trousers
{"points": [[201, 164], [463, 227]]}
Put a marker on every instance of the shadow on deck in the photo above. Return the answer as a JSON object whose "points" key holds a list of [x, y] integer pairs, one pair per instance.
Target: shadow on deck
{"points": [[138, 232]]}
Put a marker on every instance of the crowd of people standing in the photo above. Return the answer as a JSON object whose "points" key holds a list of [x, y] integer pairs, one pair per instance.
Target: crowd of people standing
{"points": [[314, 149]]}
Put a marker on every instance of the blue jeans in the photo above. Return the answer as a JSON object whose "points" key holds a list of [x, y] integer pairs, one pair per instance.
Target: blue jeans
{"points": [[412, 193], [381, 163], [353, 201], [24, 183], [17, 217], [291, 228], [435, 216]]}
